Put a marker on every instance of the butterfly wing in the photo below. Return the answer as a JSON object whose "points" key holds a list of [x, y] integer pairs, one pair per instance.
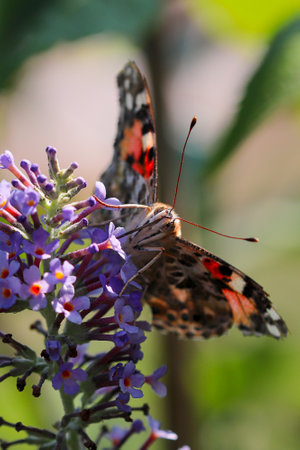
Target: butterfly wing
{"points": [[132, 175], [195, 294]]}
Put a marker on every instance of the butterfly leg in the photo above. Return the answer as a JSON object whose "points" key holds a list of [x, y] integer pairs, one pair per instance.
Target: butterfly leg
{"points": [[140, 271]]}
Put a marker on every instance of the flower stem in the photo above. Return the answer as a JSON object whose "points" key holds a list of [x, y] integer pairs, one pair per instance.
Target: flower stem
{"points": [[68, 405]]}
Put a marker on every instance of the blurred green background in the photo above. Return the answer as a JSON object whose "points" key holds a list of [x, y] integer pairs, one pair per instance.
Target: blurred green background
{"points": [[236, 66]]}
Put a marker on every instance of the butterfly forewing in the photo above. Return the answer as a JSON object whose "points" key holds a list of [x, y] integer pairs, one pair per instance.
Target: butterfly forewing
{"points": [[132, 174], [191, 292]]}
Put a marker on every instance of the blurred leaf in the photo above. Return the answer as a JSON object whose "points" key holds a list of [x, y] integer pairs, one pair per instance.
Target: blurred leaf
{"points": [[276, 82], [244, 19], [35, 25]]}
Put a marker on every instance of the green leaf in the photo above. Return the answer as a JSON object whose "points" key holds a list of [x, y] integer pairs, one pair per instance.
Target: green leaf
{"points": [[275, 83], [35, 25], [243, 20]]}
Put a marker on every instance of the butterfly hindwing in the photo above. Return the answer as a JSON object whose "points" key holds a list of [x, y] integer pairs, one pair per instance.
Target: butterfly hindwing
{"points": [[195, 294]]}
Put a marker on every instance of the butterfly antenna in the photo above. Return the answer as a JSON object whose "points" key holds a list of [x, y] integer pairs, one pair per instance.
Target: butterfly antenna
{"points": [[249, 239], [121, 206], [193, 123]]}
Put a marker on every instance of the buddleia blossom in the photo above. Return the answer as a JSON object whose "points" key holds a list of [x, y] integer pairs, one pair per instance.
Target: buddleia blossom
{"points": [[69, 305], [69, 378], [80, 287]]}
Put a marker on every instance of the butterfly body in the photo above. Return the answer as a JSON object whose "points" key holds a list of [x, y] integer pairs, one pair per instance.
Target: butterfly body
{"points": [[158, 225], [191, 292]]}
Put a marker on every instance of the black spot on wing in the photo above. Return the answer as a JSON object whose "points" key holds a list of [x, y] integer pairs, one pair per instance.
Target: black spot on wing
{"points": [[248, 290], [225, 270], [186, 283], [147, 127], [187, 260], [151, 153]]}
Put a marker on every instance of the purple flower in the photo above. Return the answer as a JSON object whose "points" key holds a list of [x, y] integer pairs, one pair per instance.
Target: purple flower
{"points": [[39, 248], [135, 353], [60, 273], [68, 377], [137, 338], [7, 267], [156, 432], [11, 243], [70, 305], [134, 300], [119, 435], [128, 270], [9, 287], [108, 239], [6, 160], [100, 192], [116, 372], [116, 435], [53, 348], [158, 387], [131, 380], [124, 316], [68, 213], [35, 288], [25, 201], [121, 338], [111, 287], [81, 352], [5, 190], [137, 426], [122, 402]]}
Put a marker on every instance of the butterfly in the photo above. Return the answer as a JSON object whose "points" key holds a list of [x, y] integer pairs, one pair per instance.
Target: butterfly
{"points": [[191, 292]]}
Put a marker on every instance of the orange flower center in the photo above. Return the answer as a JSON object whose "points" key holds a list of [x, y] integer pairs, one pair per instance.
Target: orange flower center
{"points": [[4, 273], [127, 381], [35, 289], [66, 374], [59, 275], [68, 306], [6, 292]]}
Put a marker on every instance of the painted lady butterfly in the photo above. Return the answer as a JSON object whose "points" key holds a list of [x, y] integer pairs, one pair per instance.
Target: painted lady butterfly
{"points": [[191, 292]]}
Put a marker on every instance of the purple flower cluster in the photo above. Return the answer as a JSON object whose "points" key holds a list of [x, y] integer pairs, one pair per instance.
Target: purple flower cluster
{"points": [[79, 279]]}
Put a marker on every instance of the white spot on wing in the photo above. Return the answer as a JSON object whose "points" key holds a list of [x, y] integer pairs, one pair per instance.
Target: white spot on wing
{"points": [[141, 99], [129, 101], [273, 314], [237, 283], [147, 140], [273, 330]]}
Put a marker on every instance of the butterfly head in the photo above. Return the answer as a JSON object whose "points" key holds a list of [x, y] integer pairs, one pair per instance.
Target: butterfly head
{"points": [[155, 227], [163, 219]]}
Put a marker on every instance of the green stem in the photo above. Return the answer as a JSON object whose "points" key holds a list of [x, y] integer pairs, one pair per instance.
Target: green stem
{"points": [[68, 404], [48, 313]]}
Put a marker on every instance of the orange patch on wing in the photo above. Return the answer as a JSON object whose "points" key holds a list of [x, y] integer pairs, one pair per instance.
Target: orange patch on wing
{"points": [[213, 267], [180, 294], [132, 145], [149, 164], [159, 305], [241, 307]]}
